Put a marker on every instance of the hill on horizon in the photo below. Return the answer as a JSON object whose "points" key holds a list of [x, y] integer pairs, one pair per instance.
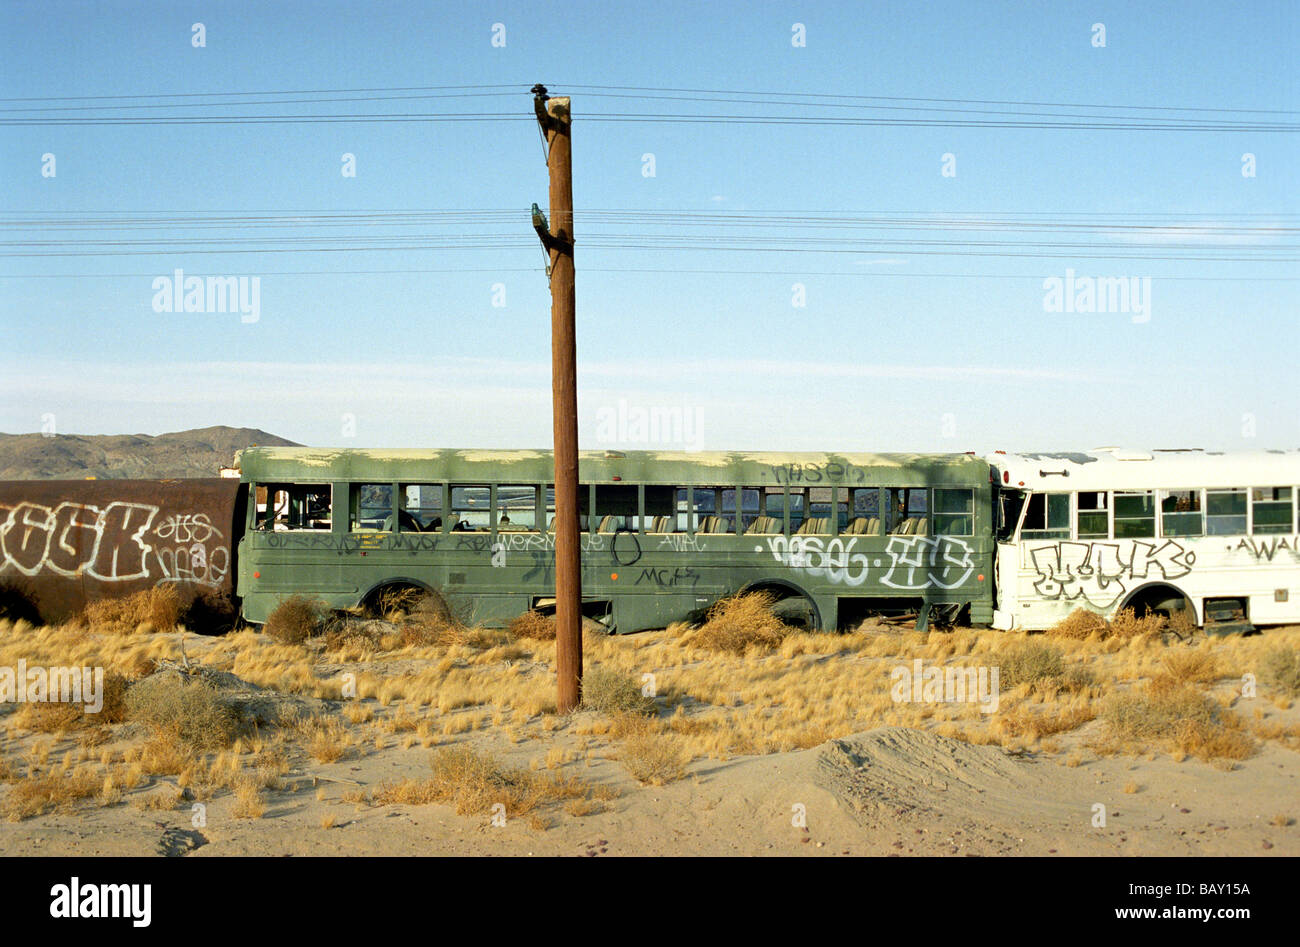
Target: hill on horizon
{"points": [[201, 452]]}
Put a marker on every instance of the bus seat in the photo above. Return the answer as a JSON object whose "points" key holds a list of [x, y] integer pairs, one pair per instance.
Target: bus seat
{"points": [[721, 524], [766, 524], [922, 526], [662, 524], [706, 524], [608, 524], [856, 526], [816, 526]]}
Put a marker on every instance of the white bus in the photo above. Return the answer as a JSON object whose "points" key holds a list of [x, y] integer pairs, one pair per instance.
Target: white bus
{"points": [[1149, 530]]}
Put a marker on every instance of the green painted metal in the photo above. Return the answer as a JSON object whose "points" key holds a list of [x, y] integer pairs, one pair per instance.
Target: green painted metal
{"points": [[645, 579]]}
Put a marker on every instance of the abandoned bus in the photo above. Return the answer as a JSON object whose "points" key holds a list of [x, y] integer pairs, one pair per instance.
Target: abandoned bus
{"points": [[834, 537], [1162, 530]]}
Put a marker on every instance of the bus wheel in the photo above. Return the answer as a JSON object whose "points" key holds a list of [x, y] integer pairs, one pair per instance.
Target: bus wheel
{"points": [[798, 611], [392, 601]]}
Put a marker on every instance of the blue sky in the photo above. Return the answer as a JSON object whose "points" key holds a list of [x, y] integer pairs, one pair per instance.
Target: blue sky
{"points": [[892, 351]]}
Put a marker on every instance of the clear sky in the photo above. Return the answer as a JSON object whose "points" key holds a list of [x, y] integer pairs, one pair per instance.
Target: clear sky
{"points": [[892, 349]]}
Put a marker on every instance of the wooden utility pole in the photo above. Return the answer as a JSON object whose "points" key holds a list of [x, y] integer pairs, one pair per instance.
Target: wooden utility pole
{"points": [[557, 238]]}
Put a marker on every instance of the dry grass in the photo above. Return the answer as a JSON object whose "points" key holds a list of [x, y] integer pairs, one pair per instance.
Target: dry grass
{"points": [[1195, 666], [296, 619], [1082, 624], [249, 801], [190, 711], [611, 692], [474, 782], [739, 624], [155, 609], [1175, 715], [327, 739], [1023, 721], [1280, 669], [533, 626], [650, 754], [39, 794]]}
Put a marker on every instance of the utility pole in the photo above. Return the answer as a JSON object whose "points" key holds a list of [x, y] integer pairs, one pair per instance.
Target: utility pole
{"points": [[553, 115]]}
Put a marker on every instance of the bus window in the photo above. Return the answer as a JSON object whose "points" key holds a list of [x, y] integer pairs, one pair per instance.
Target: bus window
{"points": [[1135, 514], [421, 508], [954, 512], [659, 511], [517, 508], [864, 512], [762, 510], [1180, 513], [906, 507], [715, 509], [1010, 503], [469, 509], [1271, 507], [616, 507], [1225, 512], [1092, 521], [841, 510], [297, 506], [371, 508], [1047, 516], [798, 503]]}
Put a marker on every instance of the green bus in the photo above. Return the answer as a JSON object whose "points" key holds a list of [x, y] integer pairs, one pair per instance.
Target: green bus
{"points": [[833, 537]]}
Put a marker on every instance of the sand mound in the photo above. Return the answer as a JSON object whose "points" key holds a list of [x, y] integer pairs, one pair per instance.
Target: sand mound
{"points": [[258, 705], [893, 772]]}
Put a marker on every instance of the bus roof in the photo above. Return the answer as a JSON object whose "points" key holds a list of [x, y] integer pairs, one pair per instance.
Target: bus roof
{"points": [[1120, 469], [283, 464]]}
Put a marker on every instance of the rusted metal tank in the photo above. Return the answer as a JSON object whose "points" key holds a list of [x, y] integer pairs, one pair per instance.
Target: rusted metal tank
{"points": [[64, 543]]}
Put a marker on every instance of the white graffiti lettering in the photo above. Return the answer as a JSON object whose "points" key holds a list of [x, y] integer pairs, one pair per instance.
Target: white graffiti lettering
{"points": [[1096, 572], [113, 544]]}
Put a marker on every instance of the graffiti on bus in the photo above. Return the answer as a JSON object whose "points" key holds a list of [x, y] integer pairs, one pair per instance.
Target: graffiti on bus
{"points": [[1097, 572], [119, 542], [909, 562]]}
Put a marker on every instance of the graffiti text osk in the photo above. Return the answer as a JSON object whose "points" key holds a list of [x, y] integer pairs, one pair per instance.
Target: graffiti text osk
{"points": [[112, 544], [1096, 572], [910, 562]]}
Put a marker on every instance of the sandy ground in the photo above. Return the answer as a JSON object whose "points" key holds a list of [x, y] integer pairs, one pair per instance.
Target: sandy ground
{"points": [[891, 791], [894, 790]]}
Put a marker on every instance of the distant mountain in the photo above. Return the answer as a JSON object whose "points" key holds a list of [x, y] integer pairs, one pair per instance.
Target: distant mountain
{"points": [[198, 453]]}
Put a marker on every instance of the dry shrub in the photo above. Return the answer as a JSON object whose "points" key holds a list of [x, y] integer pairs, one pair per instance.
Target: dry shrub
{"points": [[474, 782], [1031, 662], [189, 710], [161, 801], [1280, 669], [58, 716], [1176, 715], [158, 608], [610, 692], [1023, 721], [650, 755], [40, 794], [327, 740], [1191, 666], [533, 625], [1083, 623], [431, 622], [1126, 624], [1079, 624], [296, 619], [249, 801], [737, 623]]}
